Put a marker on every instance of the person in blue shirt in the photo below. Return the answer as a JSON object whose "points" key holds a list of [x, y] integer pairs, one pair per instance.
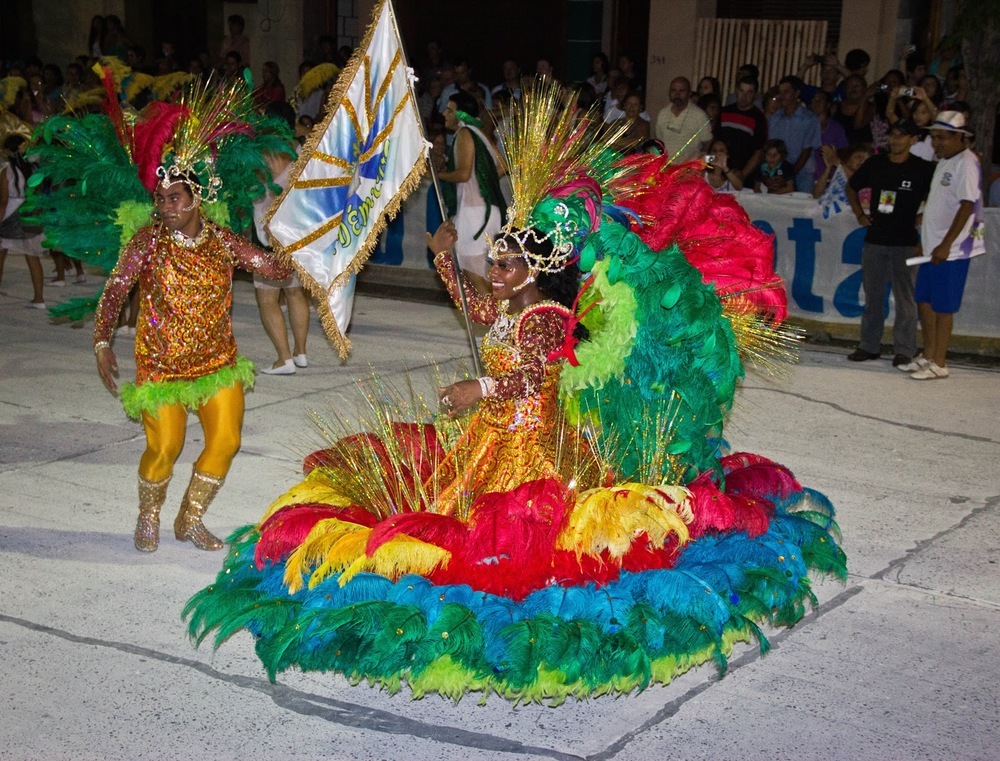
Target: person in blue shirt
{"points": [[800, 130]]}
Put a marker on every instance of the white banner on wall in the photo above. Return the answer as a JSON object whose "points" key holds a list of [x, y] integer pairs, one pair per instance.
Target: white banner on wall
{"points": [[820, 259]]}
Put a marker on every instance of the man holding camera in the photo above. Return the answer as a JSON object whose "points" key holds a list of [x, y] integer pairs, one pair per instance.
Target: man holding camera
{"points": [[899, 182]]}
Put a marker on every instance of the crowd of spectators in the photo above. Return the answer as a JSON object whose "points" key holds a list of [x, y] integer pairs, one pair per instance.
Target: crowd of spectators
{"points": [[817, 128], [765, 137]]}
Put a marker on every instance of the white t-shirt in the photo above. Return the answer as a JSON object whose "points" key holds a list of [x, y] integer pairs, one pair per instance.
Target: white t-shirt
{"points": [[682, 134], [923, 149], [955, 180]]}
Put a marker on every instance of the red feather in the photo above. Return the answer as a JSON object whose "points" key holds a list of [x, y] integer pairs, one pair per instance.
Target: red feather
{"points": [[643, 556], [440, 530], [153, 131], [289, 526], [512, 537], [713, 231], [713, 510], [114, 108], [754, 474], [569, 571], [753, 514]]}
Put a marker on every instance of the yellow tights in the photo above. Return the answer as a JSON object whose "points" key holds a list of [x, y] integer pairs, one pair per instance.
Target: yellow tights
{"points": [[221, 419]]}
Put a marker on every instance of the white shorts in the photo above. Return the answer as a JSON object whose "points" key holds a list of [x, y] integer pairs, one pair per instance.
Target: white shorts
{"points": [[26, 246], [259, 281]]}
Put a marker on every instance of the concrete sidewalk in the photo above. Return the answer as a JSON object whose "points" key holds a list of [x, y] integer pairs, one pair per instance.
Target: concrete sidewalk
{"points": [[901, 663]]}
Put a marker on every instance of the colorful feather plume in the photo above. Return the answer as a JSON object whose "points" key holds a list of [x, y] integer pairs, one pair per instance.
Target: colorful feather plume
{"points": [[91, 191], [322, 75]]}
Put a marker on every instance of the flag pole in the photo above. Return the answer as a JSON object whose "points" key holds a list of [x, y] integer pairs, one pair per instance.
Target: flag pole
{"points": [[459, 280], [477, 364]]}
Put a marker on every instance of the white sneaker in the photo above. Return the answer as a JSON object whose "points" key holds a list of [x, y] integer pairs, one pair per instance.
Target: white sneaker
{"points": [[288, 368], [35, 305], [917, 363], [57, 283], [931, 372], [80, 279], [300, 360]]}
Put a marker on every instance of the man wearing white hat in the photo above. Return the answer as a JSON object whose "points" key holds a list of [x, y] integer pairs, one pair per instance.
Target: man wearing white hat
{"points": [[952, 233]]}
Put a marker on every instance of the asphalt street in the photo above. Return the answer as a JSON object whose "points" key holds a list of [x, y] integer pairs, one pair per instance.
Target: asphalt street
{"points": [[900, 662]]}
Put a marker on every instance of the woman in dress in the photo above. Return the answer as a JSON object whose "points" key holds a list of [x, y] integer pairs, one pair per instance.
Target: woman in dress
{"points": [[550, 548], [527, 313], [14, 173]]}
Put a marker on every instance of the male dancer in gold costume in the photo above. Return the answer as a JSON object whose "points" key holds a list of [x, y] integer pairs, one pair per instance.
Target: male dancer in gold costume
{"points": [[184, 350]]}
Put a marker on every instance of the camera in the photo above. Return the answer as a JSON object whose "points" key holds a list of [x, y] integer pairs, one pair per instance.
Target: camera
{"points": [[710, 159], [883, 87], [816, 58], [906, 92]]}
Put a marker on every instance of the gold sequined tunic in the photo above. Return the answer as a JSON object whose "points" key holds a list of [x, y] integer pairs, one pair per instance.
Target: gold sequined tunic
{"points": [[184, 330], [517, 434]]}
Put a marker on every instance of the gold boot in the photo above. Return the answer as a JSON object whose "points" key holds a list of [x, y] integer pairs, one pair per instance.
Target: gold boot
{"points": [[147, 529], [188, 526]]}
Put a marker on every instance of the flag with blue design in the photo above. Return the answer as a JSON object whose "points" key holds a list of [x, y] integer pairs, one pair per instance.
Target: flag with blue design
{"points": [[354, 171]]}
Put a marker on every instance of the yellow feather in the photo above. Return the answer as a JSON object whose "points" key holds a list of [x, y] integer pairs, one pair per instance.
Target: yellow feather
{"points": [[84, 101], [344, 552], [138, 83], [314, 550], [166, 84], [119, 69], [316, 77], [399, 556], [608, 519], [9, 88], [310, 491]]}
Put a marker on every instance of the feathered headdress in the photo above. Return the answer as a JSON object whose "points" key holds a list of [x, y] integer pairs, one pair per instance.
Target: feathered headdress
{"points": [[9, 88], [317, 77], [558, 159], [209, 115], [91, 191]]}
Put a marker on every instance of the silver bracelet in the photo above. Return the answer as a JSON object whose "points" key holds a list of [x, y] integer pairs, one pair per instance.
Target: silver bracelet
{"points": [[487, 386], [101, 345]]}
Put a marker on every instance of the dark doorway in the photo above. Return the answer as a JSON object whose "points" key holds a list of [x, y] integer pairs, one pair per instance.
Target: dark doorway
{"points": [[185, 24], [630, 36]]}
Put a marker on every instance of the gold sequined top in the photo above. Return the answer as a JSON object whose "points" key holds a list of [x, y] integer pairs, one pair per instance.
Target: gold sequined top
{"points": [[184, 329], [517, 433], [516, 350]]}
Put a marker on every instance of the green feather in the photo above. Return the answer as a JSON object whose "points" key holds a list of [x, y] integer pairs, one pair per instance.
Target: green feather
{"points": [[149, 397]]}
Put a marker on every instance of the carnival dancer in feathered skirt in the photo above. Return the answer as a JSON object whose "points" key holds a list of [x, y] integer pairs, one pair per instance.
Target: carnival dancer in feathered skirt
{"points": [[569, 523]]}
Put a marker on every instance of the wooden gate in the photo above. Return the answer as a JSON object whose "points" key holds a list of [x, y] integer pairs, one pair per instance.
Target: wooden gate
{"points": [[777, 47]]}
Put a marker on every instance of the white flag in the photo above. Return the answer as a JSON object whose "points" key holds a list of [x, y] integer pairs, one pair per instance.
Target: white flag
{"points": [[355, 170]]}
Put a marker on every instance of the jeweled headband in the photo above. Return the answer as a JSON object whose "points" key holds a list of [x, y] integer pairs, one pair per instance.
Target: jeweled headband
{"points": [[204, 184], [562, 235]]}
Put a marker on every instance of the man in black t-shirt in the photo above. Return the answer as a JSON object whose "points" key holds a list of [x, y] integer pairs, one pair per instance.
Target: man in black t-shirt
{"points": [[899, 182], [744, 128]]}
